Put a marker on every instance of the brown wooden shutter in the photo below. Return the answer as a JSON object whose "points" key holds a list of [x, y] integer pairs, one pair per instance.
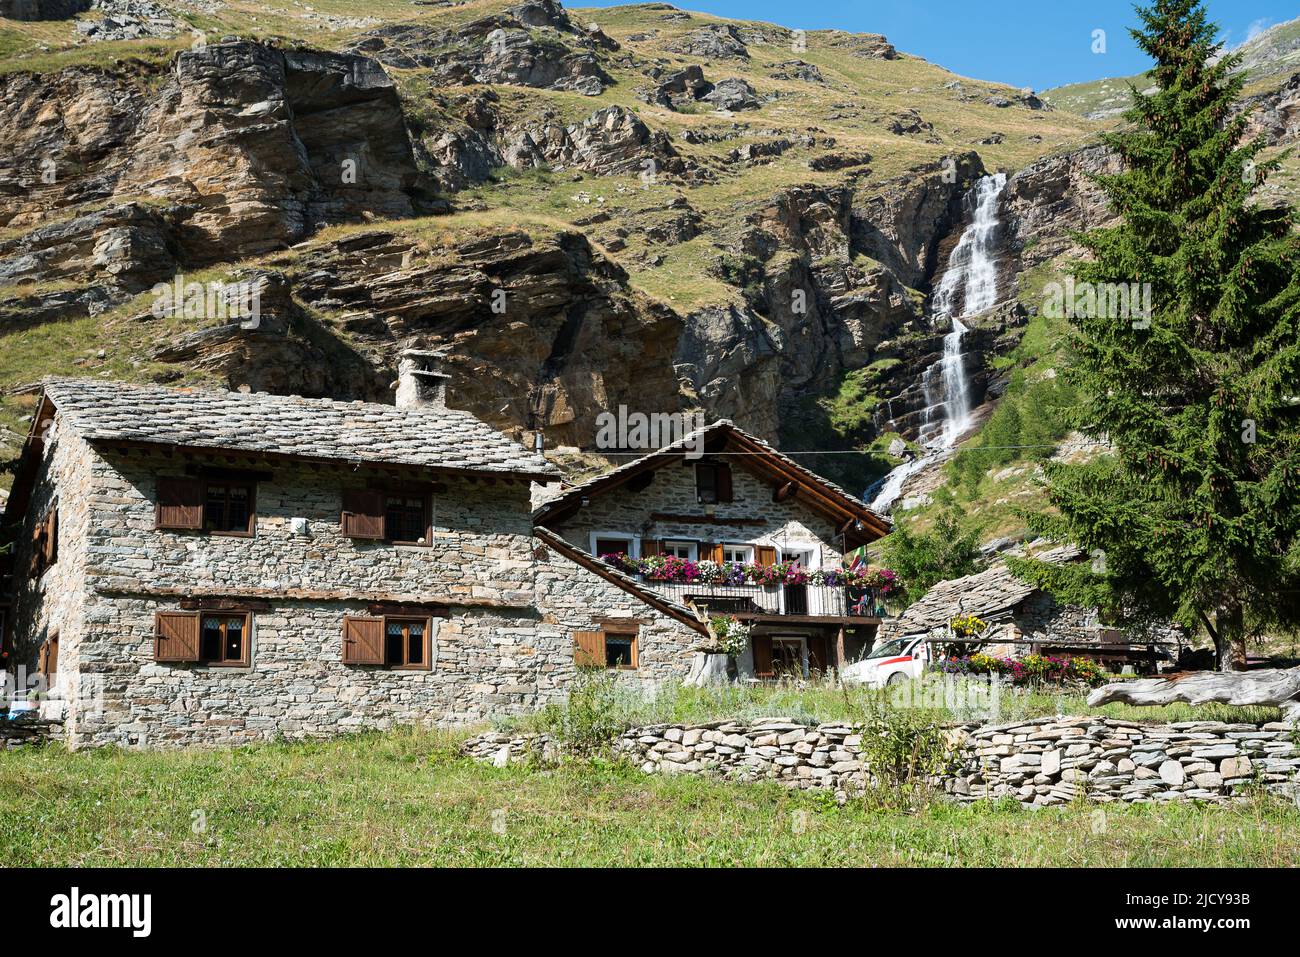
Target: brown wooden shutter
{"points": [[37, 554], [766, 554], [762, 647], [363, 513], [176, 636], [50, 550], [589, 649], [180, 503], [724, 483], [43, 658], [713, 552], [363, 641], [651, 548], [52, 656]]}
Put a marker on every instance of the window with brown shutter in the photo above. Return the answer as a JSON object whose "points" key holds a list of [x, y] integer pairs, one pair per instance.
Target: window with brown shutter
{"points": [[176, 636], [219, 638], [766, 554], [363, 513], [48, 661], [612, 647], [589, 649], [712, 482], [396, 641], [180, 503], [50, 533], [650, 548]]}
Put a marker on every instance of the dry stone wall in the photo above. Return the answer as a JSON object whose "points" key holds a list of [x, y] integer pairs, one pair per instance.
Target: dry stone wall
{"points": [[1043, 761]]}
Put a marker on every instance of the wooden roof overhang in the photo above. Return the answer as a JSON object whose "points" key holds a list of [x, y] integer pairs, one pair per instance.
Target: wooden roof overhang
{"points": [[854, 520]]}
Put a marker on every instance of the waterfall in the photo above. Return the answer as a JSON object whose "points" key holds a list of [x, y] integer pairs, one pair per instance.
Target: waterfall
{"points": [[968, 287]]}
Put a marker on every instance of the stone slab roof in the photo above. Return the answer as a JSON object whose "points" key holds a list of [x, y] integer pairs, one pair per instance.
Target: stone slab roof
{"points": [[849, 502], [317, 429], [987, 594]]}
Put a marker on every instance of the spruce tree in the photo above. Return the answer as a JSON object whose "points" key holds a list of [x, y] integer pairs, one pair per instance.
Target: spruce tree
{"points": [[1195, 511]]}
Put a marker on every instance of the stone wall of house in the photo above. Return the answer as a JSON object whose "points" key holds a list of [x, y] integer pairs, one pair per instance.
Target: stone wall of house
{"points": [[571, 598], [789, 524], [1041, 618], [506, 647], [481, 549], [53, 604], [1038, 762]]}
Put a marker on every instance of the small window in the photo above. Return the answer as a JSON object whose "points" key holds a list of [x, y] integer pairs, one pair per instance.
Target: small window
{"points": [[615, 648], [216, 506], [620, 651], [209, 637], [612, 546], [45, 543], [223, 639], [712, 482], [684, 550], [741, 554], [227, 508], [406, 518], [405, 642]]}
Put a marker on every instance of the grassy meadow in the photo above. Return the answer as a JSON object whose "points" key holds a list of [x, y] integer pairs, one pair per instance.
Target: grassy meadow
{"points": [[406, 798]]}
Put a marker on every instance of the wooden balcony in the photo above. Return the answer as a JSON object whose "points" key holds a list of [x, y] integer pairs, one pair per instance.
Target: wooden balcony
{"points": [[791, 603]]}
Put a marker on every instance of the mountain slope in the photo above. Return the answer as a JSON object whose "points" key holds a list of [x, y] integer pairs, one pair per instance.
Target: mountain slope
{"points": [[679, 211]]}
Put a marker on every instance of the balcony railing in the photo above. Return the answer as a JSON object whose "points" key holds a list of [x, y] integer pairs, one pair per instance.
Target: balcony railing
{"points": [[815, 601]]}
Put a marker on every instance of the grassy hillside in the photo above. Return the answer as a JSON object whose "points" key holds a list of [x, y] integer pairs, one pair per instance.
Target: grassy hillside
{"points": [[1267, 60], [406, 798]]}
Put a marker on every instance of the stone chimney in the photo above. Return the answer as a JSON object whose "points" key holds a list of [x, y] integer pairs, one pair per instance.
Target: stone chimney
{"points": [[420, 382]]}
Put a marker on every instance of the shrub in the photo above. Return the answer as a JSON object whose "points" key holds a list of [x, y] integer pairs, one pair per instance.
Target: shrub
{"points": [[590, 718], [904, 748]]}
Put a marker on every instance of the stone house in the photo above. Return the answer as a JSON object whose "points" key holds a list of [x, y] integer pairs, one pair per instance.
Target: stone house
{"points": [[198, 567], [722, 495], [1025, 619]]}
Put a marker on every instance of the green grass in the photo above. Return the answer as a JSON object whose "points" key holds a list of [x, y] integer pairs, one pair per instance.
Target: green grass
{"points": [[821, 701], [405, 798]]}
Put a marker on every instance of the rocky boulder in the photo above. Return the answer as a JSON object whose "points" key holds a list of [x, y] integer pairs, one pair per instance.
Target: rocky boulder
{"points": [[733, 94], [610, 141], [718, 42], [534, 44], [678, 89]]}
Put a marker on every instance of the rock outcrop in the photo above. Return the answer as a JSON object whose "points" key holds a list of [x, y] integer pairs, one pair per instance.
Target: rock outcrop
{"points": [[534, 44], [249, 148], [717, 42], [612, 140], [538, 332], [1050, 199]]}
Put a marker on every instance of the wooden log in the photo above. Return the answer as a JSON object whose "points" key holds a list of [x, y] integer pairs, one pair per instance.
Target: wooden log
{"points": [[1269, 688]]}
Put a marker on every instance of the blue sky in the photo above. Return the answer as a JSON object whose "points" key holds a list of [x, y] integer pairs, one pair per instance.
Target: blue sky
{"points": [[1038, 43]]}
